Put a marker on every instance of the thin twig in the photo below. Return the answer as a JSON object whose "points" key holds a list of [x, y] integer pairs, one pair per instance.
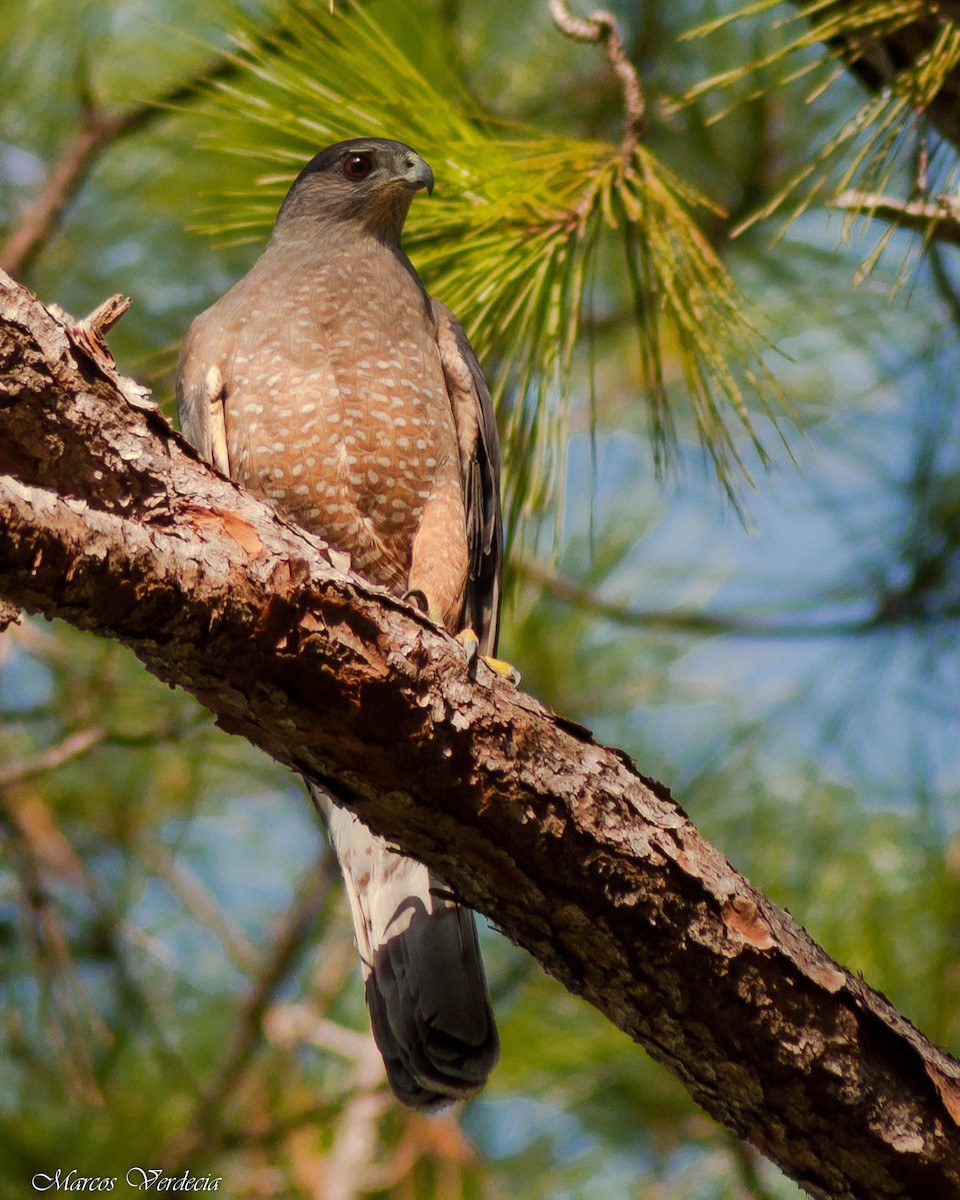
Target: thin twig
{"points": [[601, 27], [944, 284], [97, 132], [42, 850], [205, 1131], [938, 218], [71, 746], [202, 906], [68, 1016], [350, 1163], [315, 1115], [683, 621]]}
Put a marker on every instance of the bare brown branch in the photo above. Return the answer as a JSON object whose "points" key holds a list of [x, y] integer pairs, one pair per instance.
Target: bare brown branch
{"points": [[72, 746], [208, 1129], [97, 131], [877, 60], [108, 520], [937, 218], [601, 28], [887, 610]]}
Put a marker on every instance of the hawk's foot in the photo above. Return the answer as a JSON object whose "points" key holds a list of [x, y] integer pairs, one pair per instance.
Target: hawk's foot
{"points": [[471, 646]]}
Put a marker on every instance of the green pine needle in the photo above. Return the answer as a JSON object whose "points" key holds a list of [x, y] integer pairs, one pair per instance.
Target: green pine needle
{"points": [[878, 145], [509, 237]]}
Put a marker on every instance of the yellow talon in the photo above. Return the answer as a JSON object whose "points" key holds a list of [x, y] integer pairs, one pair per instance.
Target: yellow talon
{"points": [[507, 670], [471, 645]]}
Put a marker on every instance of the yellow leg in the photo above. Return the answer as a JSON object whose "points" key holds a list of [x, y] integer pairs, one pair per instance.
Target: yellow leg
{"points": [[467, 639]]}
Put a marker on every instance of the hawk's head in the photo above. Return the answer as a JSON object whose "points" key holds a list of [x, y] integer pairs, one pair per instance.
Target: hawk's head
{"points": [[366, 180]]}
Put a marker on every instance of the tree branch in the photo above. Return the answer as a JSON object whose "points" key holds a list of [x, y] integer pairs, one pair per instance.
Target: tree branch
{"points": [[937, 218], [111, 522], [206, 1128], [877, 59], [72, 746], [97, 131], [888, 610], [601, 28]]}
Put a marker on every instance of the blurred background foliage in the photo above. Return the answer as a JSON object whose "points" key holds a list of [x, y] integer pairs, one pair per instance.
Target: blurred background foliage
{"points": [[177, 983]]}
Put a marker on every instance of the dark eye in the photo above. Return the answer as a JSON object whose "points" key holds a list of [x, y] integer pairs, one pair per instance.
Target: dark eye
{"points": [[358, 166]]}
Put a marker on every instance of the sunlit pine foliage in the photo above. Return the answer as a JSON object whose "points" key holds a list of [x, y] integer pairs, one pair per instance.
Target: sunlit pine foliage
{"points": [[511, 236], [886, 142]]}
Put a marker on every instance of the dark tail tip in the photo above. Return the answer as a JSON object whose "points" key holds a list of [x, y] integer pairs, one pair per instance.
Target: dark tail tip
{"points": [[430, 1010]]}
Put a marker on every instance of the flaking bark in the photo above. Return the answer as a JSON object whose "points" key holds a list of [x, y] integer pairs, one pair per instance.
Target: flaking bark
{"points": [[110, 521]]}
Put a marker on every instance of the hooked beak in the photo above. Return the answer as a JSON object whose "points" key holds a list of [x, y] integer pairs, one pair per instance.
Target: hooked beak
{"points": [[418, 175]]}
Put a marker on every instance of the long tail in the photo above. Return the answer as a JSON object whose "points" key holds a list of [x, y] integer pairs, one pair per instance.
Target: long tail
{"points": [[424, 980]]}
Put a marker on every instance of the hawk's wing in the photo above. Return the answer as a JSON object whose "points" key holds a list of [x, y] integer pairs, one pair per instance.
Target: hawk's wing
{"points": [[193, 399], [201, 392], [480, 467]]}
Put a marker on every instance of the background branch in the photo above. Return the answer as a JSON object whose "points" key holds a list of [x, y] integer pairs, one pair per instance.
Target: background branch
{"points": [[97, 132], [938, 218], [888, 610], [208, 1127], [601, 28]]}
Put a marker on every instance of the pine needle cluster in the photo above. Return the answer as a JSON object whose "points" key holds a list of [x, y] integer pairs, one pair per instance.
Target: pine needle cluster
{"points": [[511, 238], [886, 145]]}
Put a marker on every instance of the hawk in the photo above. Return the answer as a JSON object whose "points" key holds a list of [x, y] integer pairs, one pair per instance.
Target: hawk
{"points": [[329, 382]]}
